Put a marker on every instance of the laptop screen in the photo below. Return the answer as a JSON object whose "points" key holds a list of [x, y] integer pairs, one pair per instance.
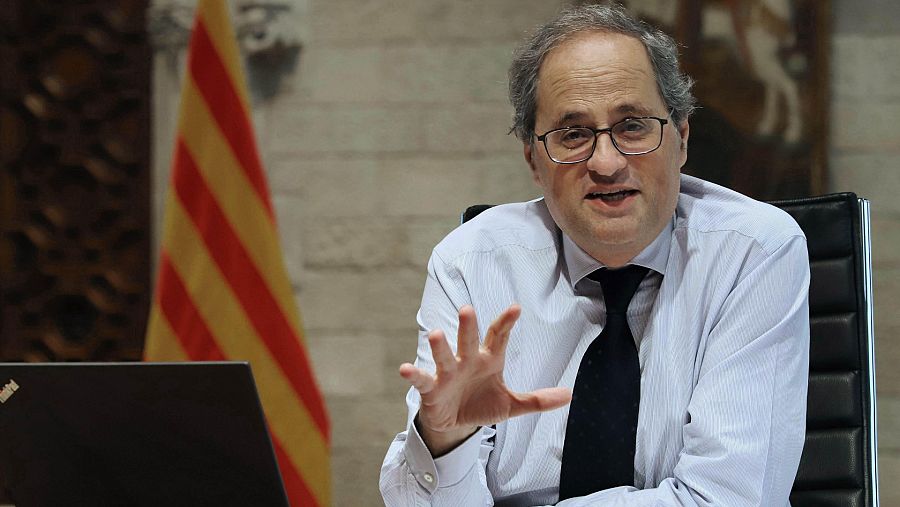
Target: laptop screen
{"points": [[134, 434]]}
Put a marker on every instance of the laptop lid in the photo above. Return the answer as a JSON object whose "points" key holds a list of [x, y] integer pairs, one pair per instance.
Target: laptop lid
{"points": [[135, 434]]}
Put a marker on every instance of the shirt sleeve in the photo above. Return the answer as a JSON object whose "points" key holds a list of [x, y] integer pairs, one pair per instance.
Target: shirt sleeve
{"points": [[747, 416], [409, 474]]}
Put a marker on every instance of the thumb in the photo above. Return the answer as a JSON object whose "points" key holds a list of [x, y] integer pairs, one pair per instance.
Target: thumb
{"points": [[540, 400]]}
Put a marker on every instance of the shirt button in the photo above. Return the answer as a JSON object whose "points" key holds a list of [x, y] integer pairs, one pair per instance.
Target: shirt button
{"points": [[428, 477]]}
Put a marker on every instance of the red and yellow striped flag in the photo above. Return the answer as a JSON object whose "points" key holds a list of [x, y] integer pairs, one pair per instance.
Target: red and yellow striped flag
{"points": [[222, 291]]}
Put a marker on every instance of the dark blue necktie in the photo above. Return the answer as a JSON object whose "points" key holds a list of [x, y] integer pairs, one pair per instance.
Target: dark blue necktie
{"points": [[598, 452]]}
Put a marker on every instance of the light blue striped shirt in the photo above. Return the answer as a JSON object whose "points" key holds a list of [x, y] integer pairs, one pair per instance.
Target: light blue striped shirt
{"points": [[722, 328]]}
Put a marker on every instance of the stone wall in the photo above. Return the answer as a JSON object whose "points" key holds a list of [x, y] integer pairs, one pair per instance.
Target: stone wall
{"points": [[396, 120], [865, 158]]}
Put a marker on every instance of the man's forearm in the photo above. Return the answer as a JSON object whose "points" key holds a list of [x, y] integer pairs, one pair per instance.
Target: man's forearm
{"points": [[411, 476], [442, 442]]}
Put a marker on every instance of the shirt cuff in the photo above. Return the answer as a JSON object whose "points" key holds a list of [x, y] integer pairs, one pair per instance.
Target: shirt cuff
{"points": [[447, 470]]}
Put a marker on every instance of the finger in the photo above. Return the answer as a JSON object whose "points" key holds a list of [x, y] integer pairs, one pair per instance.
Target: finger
{"points": [[467, 335], [441, 352], [418, 378], [498, 334], [540, 400]]}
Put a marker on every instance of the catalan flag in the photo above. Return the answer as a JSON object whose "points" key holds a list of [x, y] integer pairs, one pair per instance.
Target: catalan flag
{"points": [[222, 291]]}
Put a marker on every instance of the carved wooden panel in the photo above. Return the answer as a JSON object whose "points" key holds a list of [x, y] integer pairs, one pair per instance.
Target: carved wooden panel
{"points": [[74, 187]]}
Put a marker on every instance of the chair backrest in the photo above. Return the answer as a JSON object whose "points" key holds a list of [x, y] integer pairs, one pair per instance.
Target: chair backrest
{"points": [[839, 464]]}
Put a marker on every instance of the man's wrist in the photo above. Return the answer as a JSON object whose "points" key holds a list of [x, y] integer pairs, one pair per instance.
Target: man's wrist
{"points": [[442, 442]]}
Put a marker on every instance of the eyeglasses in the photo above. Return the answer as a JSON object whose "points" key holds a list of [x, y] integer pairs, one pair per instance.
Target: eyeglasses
{"points": [[631, 136]]}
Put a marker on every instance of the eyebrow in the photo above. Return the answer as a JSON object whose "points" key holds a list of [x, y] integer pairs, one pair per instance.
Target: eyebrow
{"points": [[633, 109], [571, 116]]}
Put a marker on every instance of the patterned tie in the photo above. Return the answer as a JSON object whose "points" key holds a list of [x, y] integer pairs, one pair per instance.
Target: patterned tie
{"points": [[598, 452]]}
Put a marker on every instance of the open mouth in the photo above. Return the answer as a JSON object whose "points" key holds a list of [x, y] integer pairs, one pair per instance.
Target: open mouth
{"points": [[611, 196]]}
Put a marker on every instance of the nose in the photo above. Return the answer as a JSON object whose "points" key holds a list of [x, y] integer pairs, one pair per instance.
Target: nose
{"points": [[606, 159]]}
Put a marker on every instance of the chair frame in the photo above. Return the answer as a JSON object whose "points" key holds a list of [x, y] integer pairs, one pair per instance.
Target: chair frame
{"points": [[865, 228]]}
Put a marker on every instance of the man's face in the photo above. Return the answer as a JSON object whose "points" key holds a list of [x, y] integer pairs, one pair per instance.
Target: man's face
{"points": [[595, 80]]}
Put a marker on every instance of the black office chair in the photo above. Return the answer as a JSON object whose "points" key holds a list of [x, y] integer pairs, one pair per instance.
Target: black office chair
{"points": [[839, 466]]}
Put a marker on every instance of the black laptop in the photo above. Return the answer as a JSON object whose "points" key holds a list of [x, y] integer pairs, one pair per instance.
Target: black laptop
{"points": [[134, 434]]}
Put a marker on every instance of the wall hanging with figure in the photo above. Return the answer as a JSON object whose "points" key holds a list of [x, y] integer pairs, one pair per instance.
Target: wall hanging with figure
{"points": [[762, 83]]}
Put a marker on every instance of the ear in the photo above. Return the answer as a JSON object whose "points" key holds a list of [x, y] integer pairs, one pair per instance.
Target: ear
{"points": [[528, 149], [684, 131]]}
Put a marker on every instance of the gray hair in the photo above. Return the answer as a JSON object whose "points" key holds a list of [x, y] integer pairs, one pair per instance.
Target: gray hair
{"points": [[674, 86]]}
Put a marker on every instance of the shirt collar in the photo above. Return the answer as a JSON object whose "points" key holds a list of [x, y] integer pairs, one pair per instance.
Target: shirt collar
{"points": [[655, 256]]}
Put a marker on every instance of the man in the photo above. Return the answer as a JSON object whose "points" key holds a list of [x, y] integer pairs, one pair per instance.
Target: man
{"points": [[705, 404]]}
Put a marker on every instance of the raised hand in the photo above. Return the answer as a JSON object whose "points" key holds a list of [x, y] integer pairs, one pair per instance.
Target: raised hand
{"points": [[467, 390]]}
